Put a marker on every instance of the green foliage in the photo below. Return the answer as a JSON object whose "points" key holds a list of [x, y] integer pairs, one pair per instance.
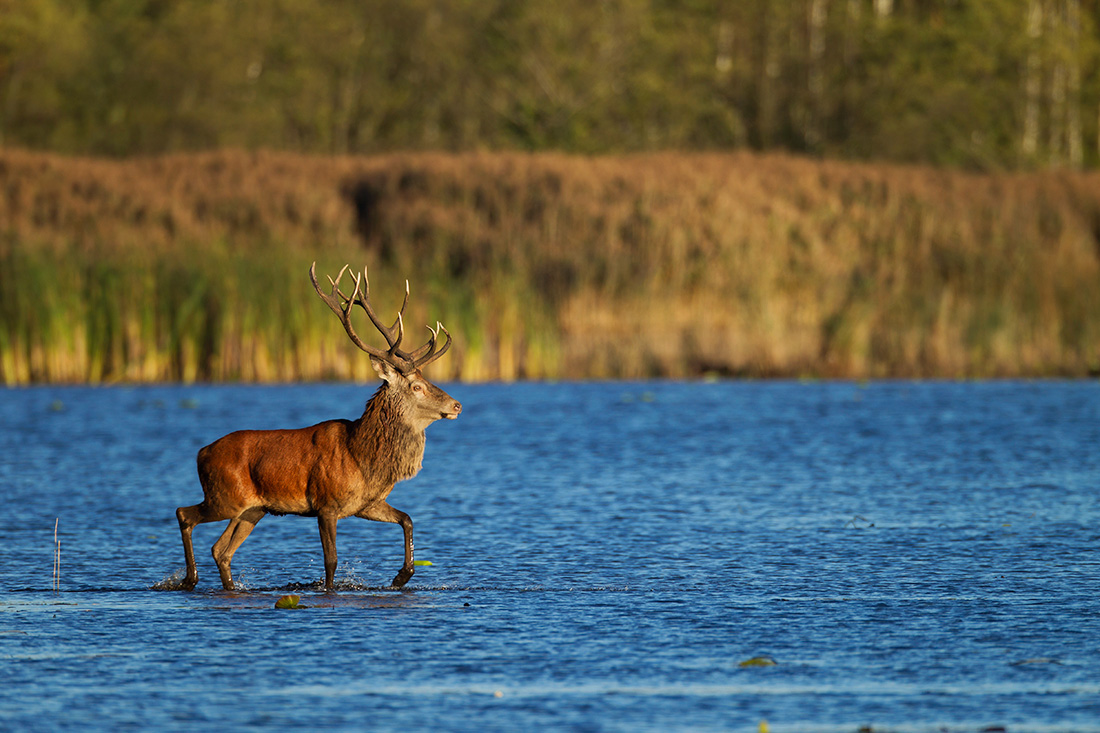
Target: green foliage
{"points": [[984, 85]]}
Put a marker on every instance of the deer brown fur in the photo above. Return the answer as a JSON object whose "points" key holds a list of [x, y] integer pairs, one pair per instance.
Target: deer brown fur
{"points": [[332, 470]]}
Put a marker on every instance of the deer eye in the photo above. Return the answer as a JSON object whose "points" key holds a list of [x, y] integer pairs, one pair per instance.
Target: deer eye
{"points": [[417, 388]]}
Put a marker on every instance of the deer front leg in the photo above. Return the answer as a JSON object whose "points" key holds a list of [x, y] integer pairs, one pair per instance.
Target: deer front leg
{"points": [[188, 517], [383, 512], [327, 525]]}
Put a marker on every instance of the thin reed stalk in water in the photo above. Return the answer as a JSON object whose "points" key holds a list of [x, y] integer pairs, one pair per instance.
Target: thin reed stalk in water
{"points": [[56, 558]]}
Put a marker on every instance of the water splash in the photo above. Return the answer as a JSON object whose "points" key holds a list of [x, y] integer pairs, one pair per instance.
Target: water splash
{"points": [[171, 582]]}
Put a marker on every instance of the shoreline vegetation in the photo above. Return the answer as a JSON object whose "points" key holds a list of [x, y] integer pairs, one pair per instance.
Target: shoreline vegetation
{"points": [[193, 267]]}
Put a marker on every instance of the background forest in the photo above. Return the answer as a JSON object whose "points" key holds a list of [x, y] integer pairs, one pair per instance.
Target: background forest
{"points": [[631, 188], [983, 84]]}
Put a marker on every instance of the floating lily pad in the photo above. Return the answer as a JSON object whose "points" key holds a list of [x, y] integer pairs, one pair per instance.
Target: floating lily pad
{"points": [[288, 602], [762, 661]]}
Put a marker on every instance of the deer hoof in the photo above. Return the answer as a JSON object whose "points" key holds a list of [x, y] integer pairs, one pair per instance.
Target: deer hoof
{"points": [[402, 578]]}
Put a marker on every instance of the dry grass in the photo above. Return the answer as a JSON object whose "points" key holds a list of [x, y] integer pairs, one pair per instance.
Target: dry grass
{"points": [[546, 266]]}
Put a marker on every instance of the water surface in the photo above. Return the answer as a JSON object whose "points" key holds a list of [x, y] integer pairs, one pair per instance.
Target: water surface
{"points": [[913, 556]]}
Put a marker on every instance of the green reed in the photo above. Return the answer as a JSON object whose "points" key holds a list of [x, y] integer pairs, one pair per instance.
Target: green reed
{"points": [[209, 314]]}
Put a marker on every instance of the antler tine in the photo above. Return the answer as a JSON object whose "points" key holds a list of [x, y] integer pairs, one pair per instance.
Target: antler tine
{"points": [[335, 283], [330, 300], [400, 325], [404, 303], [426, 348], [426, 354]]}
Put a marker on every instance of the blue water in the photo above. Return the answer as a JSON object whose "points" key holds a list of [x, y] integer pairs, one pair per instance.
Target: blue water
{"points": [[913, 556]]}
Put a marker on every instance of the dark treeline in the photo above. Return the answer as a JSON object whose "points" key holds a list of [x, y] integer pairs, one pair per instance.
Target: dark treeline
{"points": [[983, 84]]}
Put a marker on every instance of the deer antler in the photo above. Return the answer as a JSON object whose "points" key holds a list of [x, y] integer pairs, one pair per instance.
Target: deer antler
{"points": [[341, 305], [427, 353]]}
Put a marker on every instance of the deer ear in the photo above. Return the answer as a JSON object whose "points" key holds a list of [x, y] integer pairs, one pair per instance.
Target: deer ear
{"points": [[384, 369]]}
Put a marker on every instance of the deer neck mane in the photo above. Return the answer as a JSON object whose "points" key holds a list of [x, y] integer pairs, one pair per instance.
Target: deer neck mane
{"points": [[388, 447]]}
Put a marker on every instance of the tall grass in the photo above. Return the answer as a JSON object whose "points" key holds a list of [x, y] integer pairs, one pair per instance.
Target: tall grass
{"points": [[547, 266]]}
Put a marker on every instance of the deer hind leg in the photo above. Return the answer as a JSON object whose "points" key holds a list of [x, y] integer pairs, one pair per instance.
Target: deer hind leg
{"points": [[383, 512], [188, 517], [237, 532]]}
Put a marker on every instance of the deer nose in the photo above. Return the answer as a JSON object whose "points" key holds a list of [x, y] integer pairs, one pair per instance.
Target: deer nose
{"points": [[457, 407]]}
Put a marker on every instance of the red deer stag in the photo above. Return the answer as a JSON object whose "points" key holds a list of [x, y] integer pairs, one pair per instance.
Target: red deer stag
{"points": [[335, 469]]}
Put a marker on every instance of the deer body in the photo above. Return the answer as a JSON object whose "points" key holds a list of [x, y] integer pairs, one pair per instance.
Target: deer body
{"points": [[342, 472], [332, 470]]}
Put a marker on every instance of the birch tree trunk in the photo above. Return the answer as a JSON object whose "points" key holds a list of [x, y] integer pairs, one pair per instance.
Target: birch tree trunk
{"points": [[769, 77], [1033, 81], [851, 31], [1074, 142], [816, 73], [1057, 115], [723, 56]]}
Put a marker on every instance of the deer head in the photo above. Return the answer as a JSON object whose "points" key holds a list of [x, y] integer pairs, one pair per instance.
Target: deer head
{"points": [[400, 369]]}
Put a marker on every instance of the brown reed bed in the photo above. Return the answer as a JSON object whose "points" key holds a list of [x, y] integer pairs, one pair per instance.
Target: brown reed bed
{"points": [[193, 267]]}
